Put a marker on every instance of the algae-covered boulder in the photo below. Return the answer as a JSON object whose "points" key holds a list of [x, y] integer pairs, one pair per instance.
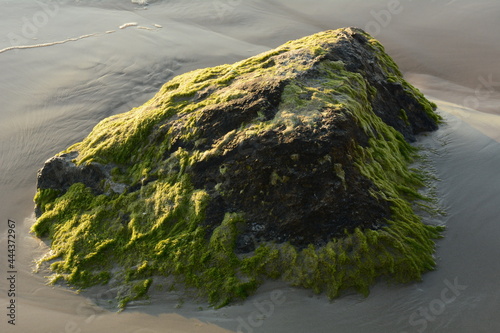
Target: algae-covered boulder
{"points": [[290, 165]]}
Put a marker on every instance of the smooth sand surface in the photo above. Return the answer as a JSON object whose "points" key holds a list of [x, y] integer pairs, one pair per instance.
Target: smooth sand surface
{"points": [[66, 65]]}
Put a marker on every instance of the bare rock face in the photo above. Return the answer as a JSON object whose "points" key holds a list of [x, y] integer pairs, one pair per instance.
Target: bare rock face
{"points": [[298, 186], [299, 147], [60, 172]]}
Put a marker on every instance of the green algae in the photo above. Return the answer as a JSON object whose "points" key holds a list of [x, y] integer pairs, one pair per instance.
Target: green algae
{"points": [[158, 230]]}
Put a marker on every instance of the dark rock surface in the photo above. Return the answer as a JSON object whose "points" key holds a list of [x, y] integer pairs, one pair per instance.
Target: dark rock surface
{"points": [[60, 172]]}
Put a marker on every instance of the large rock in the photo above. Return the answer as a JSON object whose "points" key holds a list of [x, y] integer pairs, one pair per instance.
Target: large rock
{"points": [[290, 164]]}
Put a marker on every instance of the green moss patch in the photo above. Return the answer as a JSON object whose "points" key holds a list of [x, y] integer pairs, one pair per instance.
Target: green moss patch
{"points": [[159, 224]]}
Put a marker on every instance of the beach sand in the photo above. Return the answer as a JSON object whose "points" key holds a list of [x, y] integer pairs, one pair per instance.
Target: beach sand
{"points": [[66, 65]]}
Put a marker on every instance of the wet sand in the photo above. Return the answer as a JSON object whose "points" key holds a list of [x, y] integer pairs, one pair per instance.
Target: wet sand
{"points": [[86, 68]]}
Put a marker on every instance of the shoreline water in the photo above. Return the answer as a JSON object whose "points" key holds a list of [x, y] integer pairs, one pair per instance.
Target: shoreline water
{"points": [[53, 96]]}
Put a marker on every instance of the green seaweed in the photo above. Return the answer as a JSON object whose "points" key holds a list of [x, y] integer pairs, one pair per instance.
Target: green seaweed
{"points": [[158, 230]]}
